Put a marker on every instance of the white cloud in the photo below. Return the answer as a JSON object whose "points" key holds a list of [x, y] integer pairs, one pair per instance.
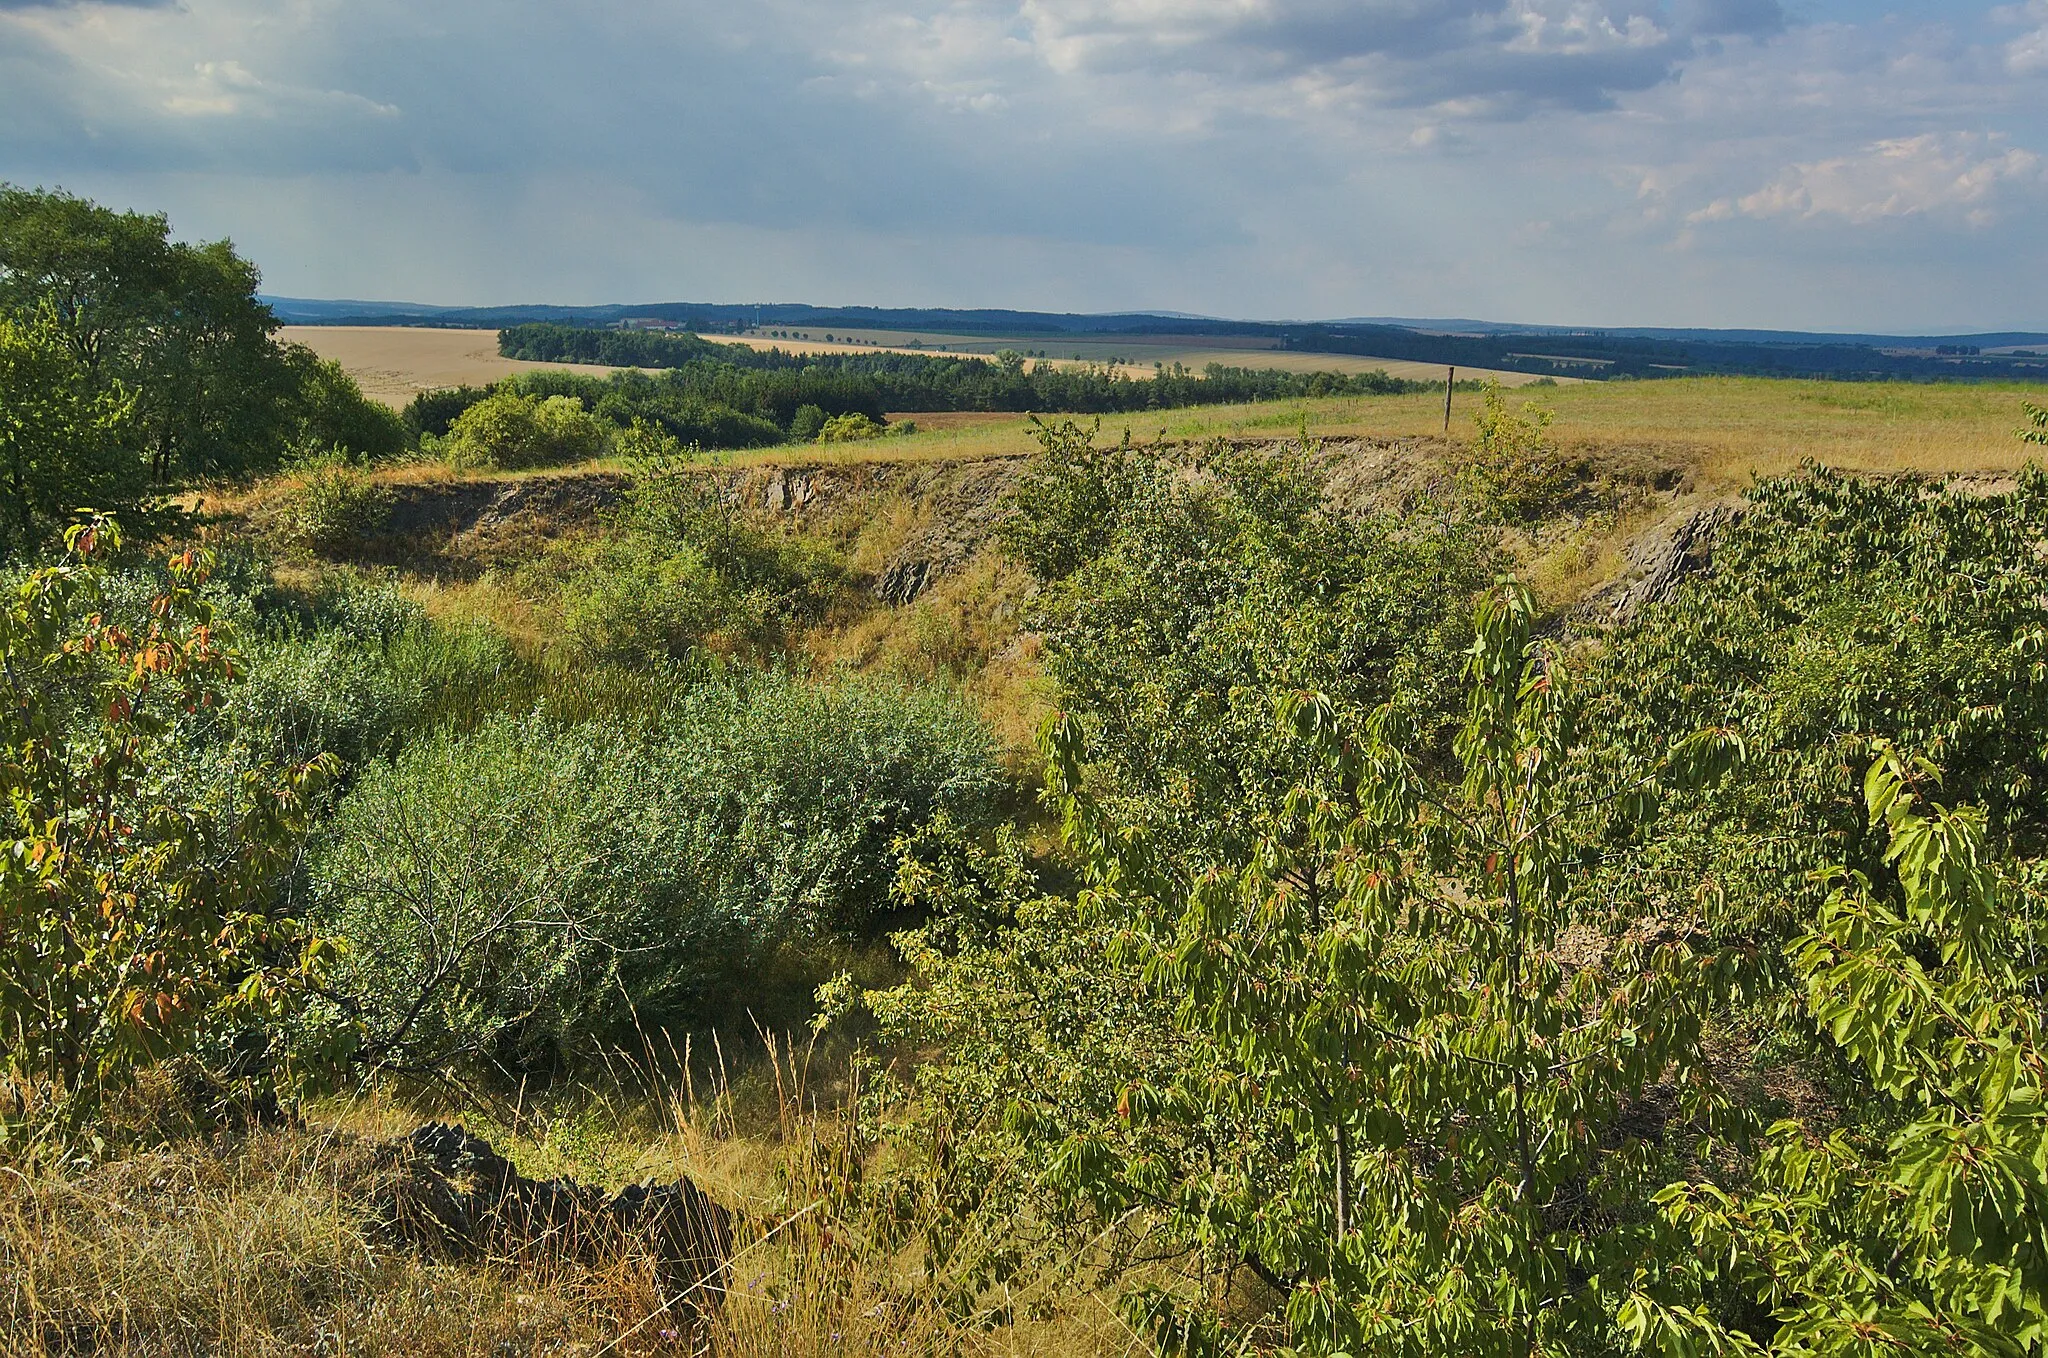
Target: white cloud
{"points": [[1959, 174], [221, 89], [2028, 53]]}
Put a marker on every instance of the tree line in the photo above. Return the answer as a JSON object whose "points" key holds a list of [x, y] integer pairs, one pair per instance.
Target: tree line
{"points": [[773, 382]]}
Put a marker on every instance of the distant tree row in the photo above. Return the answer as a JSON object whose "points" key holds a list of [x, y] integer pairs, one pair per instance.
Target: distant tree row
{"points": [[772, 384]]}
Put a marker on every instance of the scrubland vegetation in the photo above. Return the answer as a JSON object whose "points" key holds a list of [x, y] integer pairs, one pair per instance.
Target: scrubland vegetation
{"points": [[1208, 908]]}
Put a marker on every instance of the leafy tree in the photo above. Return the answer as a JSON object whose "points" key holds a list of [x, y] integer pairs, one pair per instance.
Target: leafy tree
{"points": [[135, 921], [510, 432], [431, 413], [176, 324], [100, 271], [1453, 1092], [1926, 1234], [773, 384], [805, 425], [1841, 612], [1175, 596], [2037, 419], [1383, 1052], [332, 411], [177, 328], [64, 440]]}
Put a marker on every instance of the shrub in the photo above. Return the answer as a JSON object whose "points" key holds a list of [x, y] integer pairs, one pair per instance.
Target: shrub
{"points": [[333, 412], [136, 914], [1171, 603], [1927, 1234], [1841, 612], [370, 673], [807, 423], [684, 568], [634, 603], [336, 503], [854, 428], [434, 412], [525, 891], [63, 441], [1512, 469], [509, 432]]}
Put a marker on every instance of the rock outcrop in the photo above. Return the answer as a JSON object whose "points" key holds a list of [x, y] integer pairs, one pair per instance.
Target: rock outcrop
{"points": [[451, 1193], [1660, 560]]}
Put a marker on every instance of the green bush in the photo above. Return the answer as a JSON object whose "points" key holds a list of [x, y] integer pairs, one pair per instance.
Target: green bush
{"points": [[139, 916], [854, 428], [683, 568], [1170, 604], [64, 441], [508, 431], [432, 413], [1841, 612], [1512, 469], [525, 891], [368, 674], [336, 503], [806, 424], [333, 412]]}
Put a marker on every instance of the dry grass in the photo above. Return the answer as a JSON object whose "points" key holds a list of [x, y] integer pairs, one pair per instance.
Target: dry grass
{"points": [[1719, 430], [1722, 430], [966, 630], [264, 1244]]}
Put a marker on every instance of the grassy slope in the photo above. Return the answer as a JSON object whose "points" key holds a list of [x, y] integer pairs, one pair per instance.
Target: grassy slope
{"points": [[1710, 435]]}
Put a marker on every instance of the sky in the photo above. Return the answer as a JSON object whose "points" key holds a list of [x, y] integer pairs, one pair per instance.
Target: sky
{"points": [[1872, 165]]}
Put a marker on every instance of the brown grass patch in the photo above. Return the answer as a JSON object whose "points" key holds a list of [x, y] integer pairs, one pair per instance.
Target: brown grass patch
{"points": [[265, 1244]]}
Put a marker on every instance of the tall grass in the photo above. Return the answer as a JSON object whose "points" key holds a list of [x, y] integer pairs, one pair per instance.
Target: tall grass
{"points": [[264, 1244]]}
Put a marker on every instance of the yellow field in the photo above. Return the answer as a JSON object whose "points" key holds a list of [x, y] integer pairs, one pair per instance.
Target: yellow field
{"points": [[393, 364]]}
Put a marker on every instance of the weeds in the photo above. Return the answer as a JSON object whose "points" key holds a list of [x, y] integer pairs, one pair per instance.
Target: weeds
{"points": [[265, 1243]]}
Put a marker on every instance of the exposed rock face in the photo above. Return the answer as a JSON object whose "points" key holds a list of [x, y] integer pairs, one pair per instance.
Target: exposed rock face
{"points": [[963, 513], [453, 1194], [960, 504], [1660, 560]]}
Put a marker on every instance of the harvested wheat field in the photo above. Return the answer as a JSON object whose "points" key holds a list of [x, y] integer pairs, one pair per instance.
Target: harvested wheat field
{"points": [[393, 363]]}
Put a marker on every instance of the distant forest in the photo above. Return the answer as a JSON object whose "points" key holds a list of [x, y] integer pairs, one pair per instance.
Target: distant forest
{"points": [[1541, 350], [774, 384], [1620, 355]]}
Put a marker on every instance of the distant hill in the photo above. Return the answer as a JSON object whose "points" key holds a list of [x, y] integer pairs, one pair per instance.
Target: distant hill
{"points": [[1617, 352]]}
